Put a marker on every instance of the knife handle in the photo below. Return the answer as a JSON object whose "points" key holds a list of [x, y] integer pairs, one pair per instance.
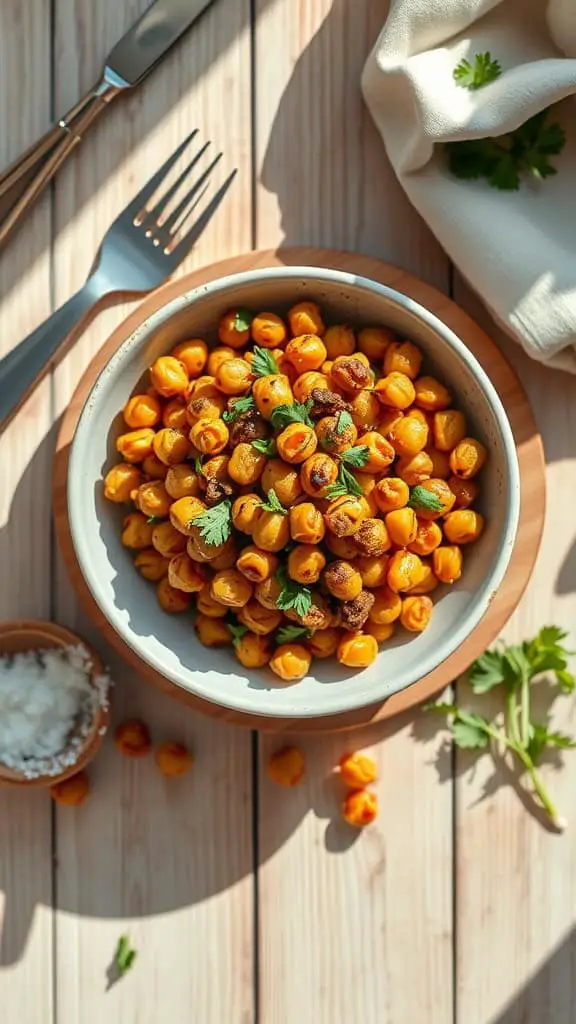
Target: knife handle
{"points": [[25, 180]]}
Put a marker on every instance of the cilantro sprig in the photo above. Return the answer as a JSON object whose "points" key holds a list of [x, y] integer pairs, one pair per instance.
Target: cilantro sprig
{"points": [[266, 446], [516, 669], [236, 632], [273, 504], [421, 497], [297, 412], [346, 482], [124, 956], [263, 364], [344, 420], [243, 319], [215, 523], [292, 595], [473, 76], [286, 634], [241, 405]]}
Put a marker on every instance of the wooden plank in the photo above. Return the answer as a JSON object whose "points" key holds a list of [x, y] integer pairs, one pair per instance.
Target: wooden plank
{"points": [[516, 922], [365, 921], [170, 865], [25, 458]]}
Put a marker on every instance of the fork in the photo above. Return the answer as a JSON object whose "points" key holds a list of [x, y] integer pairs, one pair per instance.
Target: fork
{"points": [[138, 252]]}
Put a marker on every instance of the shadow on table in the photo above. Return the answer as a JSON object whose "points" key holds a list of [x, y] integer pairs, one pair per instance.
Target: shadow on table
{"points": [[549, 997]]}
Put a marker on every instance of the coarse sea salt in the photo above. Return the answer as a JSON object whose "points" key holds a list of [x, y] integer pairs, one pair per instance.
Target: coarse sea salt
{"points": [[47, 705]]}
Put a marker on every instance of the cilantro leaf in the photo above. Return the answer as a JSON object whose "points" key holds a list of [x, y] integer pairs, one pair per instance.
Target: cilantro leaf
{"points": [[198, 466], [288, 633], [124, 956], [541, 737], [266, 446], [421, 497], [263, 363], [215, 524], [486, 672], [344, 421], [240, 406], [357, 456], [153, 519], [297, 412], [345, 484], [237, 632], [273, 504], [474, 76], [469, 731], [243, 319], [293, 595]]}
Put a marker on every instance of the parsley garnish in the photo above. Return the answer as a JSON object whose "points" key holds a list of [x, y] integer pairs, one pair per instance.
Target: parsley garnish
{"points": [[357, 456], [124, 956], [266, 446], [241, 405], [515, 669], [273, 504], [282, 415], [343, 422], [345, 484], [237, 632], [293, 595], [421, 497], [153, 519], [198, 466], [263, 363], [243, 319], [215, 524], [504, 159], [288, 633], [474, 76]]}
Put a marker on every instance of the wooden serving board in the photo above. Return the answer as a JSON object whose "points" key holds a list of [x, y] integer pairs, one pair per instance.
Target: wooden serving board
{"points": [[530, 455]]}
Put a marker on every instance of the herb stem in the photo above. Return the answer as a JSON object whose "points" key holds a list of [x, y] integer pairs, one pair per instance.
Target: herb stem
{"points": [[540, 789], [525, 709], [512, 716]]}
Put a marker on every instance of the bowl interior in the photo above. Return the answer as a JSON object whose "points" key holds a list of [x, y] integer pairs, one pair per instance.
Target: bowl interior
{"points": [[168, 643]]}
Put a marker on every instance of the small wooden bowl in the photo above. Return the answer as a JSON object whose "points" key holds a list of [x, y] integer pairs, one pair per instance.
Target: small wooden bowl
{"points": [[37, 635]]}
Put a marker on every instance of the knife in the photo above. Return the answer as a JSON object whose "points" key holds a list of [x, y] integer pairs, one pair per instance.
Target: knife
{"points": [[127, 64]]}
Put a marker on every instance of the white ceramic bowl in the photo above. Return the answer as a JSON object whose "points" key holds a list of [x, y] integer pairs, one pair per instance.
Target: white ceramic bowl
{"points": [[168, 643]]}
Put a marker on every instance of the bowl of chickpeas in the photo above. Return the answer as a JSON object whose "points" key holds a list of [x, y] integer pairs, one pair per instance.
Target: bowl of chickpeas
{"points": [[293, 492]]}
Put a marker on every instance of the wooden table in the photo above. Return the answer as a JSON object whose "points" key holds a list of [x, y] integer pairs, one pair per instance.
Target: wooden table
{"points": [[247, 903]]}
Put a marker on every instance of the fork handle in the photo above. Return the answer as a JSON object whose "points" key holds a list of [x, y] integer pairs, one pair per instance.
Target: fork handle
{"points": [[25, 180], [30, 360]]}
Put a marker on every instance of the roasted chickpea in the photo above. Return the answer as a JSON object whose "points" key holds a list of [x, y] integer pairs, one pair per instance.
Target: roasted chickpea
{"points": [[268, 592], [171, 446], [246, 464], [402, 526], [174, 414], [427, 582], [231, 588], [357, 770], [403, 357], [306, 523], [136, 531], [440, 494], [391, 493], [395, 390], [245, 512], [373, 570], [365, 409], [271, 531], [166, 540], [200, 550], [169, 376], [342, 547], [381, 631], [121, 481], [270, 392], [233, 377], [257, 565], [283, 479], [360, 808], [343, 580], [463, 526], [136, 445], [253, 650], [71, 792], [339, 341], [212, 632], [386, 608], [171, 600], [183, 512], [227, 559], [290, 662], [431, 395], [317, 474], [449, 426], [218, 356], [447, 563], [206, 605], [151, 564], [142, 411], [351, 374], [208, 405], [324, 642], [153, 499], [185, 574], [193, 354], [373, 342], [345, 515], [153, 468], [234, 328], [465, 491], [335, 437], [357, 650], [305, 318], [182, 482], [409, 436], [440, 463], [304, 385], [414, 469], [404, 571], [467, 458], [173, 760], [306, 352], [416, 613], [381, 453], [305, 563], [132, 738], [428, 537], [209, 436], [268, 330], [372, 539], [296, 443], [259, 619], [287, 766]]}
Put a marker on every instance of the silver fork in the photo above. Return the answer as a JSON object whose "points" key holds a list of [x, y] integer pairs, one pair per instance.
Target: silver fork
{"points": [[137, 253]]}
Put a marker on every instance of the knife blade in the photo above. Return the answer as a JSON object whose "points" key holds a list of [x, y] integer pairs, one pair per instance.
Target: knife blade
{"points": [[149, 39]]}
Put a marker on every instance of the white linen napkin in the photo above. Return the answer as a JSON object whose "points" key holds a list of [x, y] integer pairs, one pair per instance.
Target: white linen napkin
{"points": [[517, 249]]}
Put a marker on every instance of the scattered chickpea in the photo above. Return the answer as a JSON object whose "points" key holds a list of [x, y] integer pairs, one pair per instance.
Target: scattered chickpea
{"points": [[357, 770], [121, 481], [173, 760], [133, 738], [360, 808], [287, 766], [71, 792]]}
